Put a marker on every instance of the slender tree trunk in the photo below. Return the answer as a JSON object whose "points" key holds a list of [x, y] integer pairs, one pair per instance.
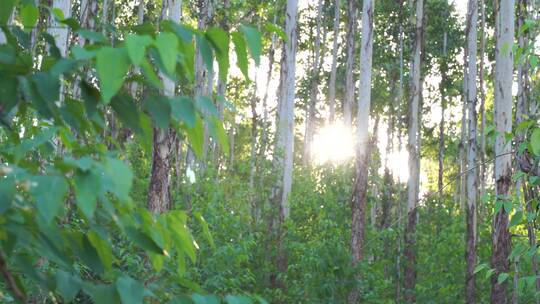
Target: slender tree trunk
{"points": [[399, 124], [359, 196], [253, 152], [164, 139], [283, 153], [503, 163], [333, 70], [482, 100], [472, 185], [463, 141], [349, 80], [442, 92], [522, 112], [315, 71], [204, 9], [413, 184]]}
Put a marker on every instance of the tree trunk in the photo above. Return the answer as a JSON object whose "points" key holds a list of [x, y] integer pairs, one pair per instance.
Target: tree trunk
{"points": [[333, 71], [59, 31], [359, 196], [482, 101], [283, 153], [503, 163], [413, 184], [472, 185], [164, 140], [315, 71], [201, 73], [442, 92], [349, 80], [522, 112]]}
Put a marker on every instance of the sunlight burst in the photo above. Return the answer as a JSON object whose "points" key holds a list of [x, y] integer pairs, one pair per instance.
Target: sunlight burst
{"points": [[333, 143]]}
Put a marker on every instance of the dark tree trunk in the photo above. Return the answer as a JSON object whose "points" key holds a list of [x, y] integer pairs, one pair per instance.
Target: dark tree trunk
{"points": [[158, 193]]}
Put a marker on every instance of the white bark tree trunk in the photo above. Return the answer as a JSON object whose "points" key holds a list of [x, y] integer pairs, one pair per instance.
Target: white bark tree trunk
{"points": [[333, 71], [472, 184], [285, 136], [359, 201], [413, 184], [315, 71], [283, 152], [59, 31], [349, 79], [503, 162]]}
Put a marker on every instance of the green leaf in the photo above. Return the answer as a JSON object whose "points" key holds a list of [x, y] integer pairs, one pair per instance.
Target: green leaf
{"points": [[167, 45], [272, 28], [29, 16], [489, 273], [126, 110], [479, 268], [195, 136], [204, 299], [49, 192], [254, 42], [87, 189], [502, 277], [103, 249], [241, 53], [8, 92], [102, 294], [119, 178], [206, 106], [8, 189], [81, 53], [218, 132], [142, 240], [48, 87], [220, 42], [93, 35], [230, 299], [516, 219], [112, 65], [32, 143], [508, 206], [206, 52], [136, 46], [159, 109], [157, 261], [150, 74], [182, 109], [535, 142], [67, 285], [6, 8], [130, 290], [205, 229]]}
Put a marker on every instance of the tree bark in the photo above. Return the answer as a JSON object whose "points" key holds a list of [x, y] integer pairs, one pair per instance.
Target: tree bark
{"points": [[315, 71], [349, 79], [442, 92], [413, 184], [503, 163], [482, 100], [472, 184], [283, 153], [164, 139], [333, 71], [359, 198], [522, 112]]}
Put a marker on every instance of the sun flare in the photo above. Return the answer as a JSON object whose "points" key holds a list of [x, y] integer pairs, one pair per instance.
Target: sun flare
{"points": [[333, 143]]}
